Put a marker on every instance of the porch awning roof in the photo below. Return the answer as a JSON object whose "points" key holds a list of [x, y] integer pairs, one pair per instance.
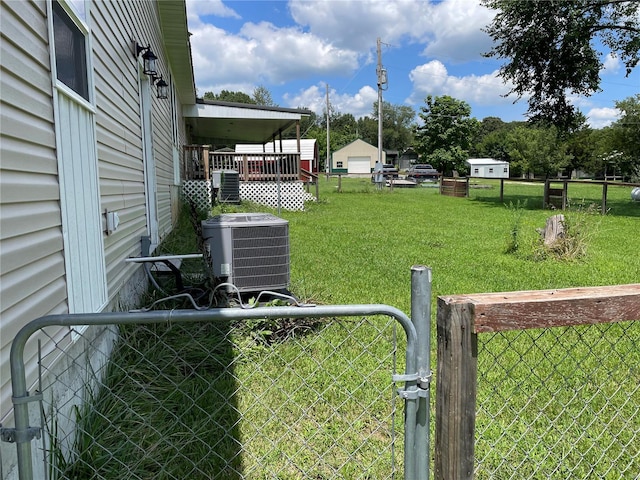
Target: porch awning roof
{"points": [[227, 123]]}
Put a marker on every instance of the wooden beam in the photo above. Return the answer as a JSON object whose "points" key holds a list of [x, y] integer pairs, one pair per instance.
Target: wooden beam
{"points": [[495, 312]]}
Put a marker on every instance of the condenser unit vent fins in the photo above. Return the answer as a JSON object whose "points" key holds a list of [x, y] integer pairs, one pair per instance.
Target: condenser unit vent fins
{"points": [[249, 250], [229, 187]]}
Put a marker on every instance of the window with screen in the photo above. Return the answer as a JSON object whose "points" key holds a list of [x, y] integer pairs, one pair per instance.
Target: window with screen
{"points": [[70, 52]]}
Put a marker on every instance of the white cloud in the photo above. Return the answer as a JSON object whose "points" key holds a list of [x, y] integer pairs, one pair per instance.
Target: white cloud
{"points": [[433, 79], [220, 58], [263, 53], [611, 64], [602, 117], [315, 99], [455, 31], [198, 8], [357, 25], [289, 53], [449, 29]]}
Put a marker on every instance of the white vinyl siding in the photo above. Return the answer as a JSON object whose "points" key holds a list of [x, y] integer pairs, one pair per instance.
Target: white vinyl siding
{"points": [[32, 268], [32, 275], [119, 131]]}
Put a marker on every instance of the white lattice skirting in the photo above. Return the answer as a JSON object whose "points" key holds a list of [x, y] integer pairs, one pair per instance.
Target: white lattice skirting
{"points": [[198, 192], [292, 194]]}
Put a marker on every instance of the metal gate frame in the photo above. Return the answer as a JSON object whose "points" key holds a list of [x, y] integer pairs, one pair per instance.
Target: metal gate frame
{"points": [[417, 376]]}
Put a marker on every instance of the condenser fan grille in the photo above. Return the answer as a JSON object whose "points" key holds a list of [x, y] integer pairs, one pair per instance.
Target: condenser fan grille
{"points": [[249, 250], [260, 257]]}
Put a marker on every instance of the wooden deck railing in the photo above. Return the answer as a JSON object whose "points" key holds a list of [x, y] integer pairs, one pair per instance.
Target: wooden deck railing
{"points": [[200, 162], [258, 166]]}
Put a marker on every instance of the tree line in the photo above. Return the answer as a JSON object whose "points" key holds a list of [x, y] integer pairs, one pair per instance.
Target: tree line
{"points": [[550, 53], [446, 135]]}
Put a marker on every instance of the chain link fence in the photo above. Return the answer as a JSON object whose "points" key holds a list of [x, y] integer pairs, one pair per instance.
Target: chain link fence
{"points": [[559, 403], [227, 399]]}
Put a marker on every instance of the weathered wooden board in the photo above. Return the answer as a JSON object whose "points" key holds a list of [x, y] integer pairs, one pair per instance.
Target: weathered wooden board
{"points": [[492, 312]]}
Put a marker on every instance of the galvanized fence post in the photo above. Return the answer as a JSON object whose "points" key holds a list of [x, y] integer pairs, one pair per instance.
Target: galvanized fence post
{"points": [[421, 319]]}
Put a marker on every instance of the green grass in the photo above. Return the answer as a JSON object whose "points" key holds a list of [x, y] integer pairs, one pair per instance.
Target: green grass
{"points": [[357, 247]]}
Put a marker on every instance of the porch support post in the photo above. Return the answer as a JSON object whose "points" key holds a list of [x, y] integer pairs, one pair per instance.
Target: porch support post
{"points": [[299, 151], [205, 162], [279, 170]]}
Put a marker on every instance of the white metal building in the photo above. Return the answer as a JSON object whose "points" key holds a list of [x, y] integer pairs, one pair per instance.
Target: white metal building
{"points": [[488, 168]]}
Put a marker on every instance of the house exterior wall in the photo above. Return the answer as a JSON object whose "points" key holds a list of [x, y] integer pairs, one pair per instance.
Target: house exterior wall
{"points": [[356, 149], [32, 265], [119, 127], [32, 269]]}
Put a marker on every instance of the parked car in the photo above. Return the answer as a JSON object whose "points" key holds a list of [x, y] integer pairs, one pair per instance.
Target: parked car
{"points": [[389, 171], [422, 172]]}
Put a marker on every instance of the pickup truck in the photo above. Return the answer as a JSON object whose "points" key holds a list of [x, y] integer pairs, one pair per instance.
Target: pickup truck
{"points": [[422, 172], [389, 171]]}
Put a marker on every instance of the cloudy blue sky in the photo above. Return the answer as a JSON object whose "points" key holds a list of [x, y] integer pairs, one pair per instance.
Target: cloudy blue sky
{"points": [[295, 48]]}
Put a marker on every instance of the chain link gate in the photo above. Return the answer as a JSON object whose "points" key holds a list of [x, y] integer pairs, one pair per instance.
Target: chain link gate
{"points": [[161, 330]]}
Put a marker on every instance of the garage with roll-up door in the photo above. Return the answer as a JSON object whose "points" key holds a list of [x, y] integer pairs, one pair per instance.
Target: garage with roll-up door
{"points": [[357, 158]]}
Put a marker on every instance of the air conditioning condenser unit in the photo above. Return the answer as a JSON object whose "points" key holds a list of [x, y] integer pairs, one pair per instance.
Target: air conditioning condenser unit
{"points": [[249, 250], [228, 183]]}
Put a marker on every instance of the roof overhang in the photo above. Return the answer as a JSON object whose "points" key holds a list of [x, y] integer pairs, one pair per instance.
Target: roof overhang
{"points": [[175, 35], [485, 161], [227, 123]]}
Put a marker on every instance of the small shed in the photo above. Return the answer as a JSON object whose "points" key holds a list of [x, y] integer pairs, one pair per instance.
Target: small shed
{"points": [[488, 168], [357, 158]]}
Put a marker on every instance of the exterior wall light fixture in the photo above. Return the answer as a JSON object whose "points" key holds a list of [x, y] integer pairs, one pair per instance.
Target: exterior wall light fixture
{"points": [[162, 87], [149, 59]]}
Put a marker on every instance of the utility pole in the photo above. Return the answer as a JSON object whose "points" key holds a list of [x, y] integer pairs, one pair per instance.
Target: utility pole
{"points": [[382, 82], [327, 165]]}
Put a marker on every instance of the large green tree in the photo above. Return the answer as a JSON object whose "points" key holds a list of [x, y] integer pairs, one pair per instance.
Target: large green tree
{"points": [[550, 49], [397, 126], [537, 150], [446, 134], [229, 96], [262, 96], [627, 134]]}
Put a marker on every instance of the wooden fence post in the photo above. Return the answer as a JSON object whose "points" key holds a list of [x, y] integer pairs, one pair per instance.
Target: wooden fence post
{"points": [[462, 317], [456, 393]]}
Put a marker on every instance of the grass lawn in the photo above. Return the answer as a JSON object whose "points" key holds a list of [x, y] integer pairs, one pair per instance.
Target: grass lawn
{"points": [[357, 247]]}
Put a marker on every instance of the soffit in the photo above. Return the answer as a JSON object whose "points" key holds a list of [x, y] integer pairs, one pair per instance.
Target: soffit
{"points": [[175, 35], [228, 123]]}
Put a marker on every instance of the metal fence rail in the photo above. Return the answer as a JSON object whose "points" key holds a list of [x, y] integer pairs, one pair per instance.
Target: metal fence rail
{"points": [[267, 392]]}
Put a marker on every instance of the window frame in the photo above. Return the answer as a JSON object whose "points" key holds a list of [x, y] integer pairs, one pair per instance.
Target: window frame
{"points": [[81, 24]]}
